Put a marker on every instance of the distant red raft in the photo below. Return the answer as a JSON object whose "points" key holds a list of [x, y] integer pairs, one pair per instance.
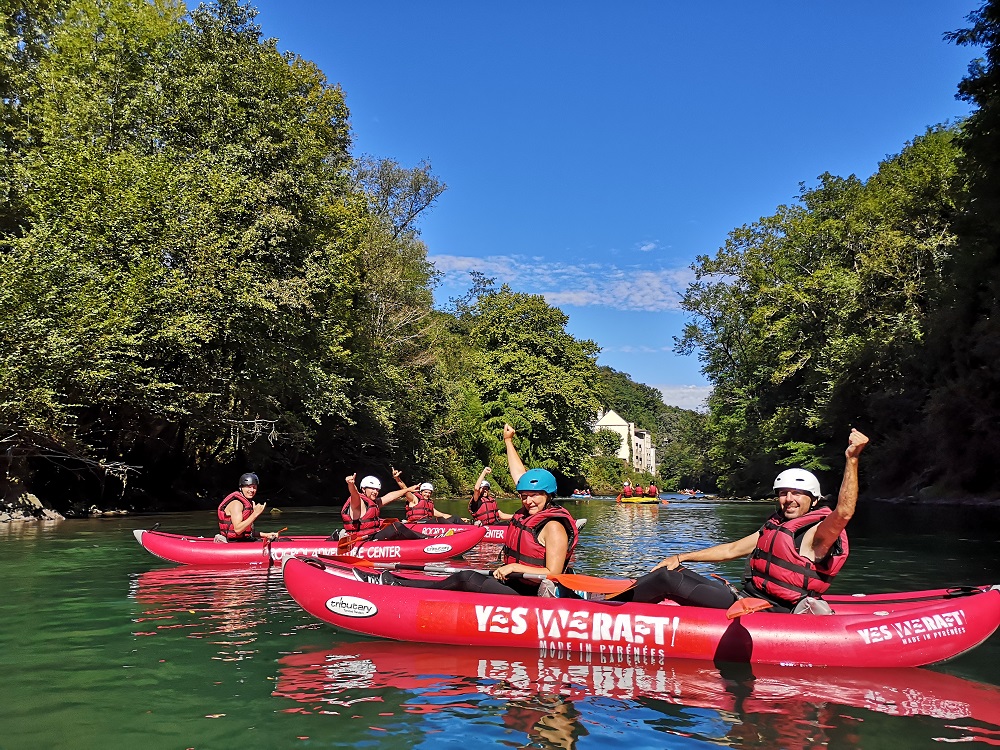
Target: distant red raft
{"points": [[877, 631], [200, 550]]}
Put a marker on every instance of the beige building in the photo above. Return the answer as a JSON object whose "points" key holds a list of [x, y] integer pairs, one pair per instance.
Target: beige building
{"points": [[637, 444]]}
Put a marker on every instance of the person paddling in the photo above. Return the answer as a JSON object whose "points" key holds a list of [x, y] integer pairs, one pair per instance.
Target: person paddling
{"points": [[237, 512], [793, 557], [539, 539]]}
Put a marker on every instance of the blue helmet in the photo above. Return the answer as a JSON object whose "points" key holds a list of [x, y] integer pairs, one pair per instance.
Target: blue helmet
{"points": [[537, 479]]}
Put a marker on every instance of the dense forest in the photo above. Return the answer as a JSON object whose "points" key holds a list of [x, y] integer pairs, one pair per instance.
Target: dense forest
{"points": [[201, 278]]}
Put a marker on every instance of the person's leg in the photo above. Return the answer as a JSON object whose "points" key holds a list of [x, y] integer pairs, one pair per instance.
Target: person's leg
{"points": [[466, 580], [683, 586], [396, 530]]}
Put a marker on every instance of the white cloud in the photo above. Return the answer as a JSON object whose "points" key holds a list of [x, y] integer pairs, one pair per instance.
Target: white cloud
{"points": [[581, 285], [645, 247], [686, 396]]}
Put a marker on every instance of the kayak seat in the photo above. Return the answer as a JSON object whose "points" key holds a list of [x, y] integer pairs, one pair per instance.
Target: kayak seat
{"points": [[813, 606]]}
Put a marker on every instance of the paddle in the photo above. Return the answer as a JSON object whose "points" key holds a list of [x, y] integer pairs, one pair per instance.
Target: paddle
{"points": [[267, 546], [575, 581]]}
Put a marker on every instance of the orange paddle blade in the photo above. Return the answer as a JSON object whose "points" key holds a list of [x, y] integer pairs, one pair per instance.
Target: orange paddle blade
{"points": [[345, 543], [351, 560], [746, 607], [593, 584]]}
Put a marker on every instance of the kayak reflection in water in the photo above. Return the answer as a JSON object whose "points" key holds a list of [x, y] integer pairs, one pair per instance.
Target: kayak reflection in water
{"points": [[539, 541], [793, 557]]}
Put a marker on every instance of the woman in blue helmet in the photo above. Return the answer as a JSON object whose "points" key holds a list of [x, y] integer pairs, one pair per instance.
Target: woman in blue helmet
{"points": [[539, 539]]}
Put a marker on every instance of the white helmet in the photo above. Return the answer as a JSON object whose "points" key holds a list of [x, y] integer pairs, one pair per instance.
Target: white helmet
{"points": [[427, 486], [485, 484], [798, 479], [370, 481]]}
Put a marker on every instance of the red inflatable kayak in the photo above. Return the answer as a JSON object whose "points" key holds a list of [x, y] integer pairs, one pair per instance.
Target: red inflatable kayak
{"points": [[885, 631], [494, 532], [200, 550]]}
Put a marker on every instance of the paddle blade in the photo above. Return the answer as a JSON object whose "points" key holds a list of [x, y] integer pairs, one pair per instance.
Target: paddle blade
{"points": [[607, 586], [346, 542], [746, 607], [350, 560]]}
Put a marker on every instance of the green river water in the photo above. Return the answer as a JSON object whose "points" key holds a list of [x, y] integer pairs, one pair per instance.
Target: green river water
{"points": [[104, 646]]}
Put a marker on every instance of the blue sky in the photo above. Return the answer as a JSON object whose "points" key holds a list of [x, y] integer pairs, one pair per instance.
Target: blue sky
{"points": [[592, 149]]}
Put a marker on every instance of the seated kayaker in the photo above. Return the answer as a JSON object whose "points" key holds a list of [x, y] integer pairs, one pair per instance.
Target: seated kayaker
{"points": [[362, 512], [420, 505], [539, 539], [483, 505], [237, 512], [793, 557], [652, 490]]}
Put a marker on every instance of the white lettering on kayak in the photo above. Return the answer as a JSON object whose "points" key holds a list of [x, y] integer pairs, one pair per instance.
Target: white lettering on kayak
{"points": [[555, 625], [378, 553], [351, 606], [283, 552], [491, 619], [917, 629], [437, 549]]}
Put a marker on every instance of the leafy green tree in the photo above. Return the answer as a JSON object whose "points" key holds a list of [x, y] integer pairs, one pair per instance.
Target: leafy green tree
{"points": [[959, 441], [181, 276], [535, 375], [607, 443], [804, 320]]}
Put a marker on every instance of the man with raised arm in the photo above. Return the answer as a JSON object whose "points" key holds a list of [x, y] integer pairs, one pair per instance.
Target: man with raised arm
{"points": [[793, 557]]}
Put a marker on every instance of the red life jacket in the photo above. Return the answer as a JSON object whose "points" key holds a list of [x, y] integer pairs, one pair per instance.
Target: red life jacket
{"points": [[369, 522], [651, 491], [520, 543], [779, 570], [638, 491], [627, 491], [420, 510], [226, 523], [487, 510]]}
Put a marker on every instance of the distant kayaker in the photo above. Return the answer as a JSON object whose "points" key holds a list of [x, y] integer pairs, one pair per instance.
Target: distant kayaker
{"points": [[420, 505], [362, 512], [539, 539], [483, 505], [652, 490], [237, 512], [793, 557]]}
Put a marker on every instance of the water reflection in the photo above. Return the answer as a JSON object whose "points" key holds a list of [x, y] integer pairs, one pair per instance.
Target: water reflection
{"points": [[539, 697], [228, 607]]}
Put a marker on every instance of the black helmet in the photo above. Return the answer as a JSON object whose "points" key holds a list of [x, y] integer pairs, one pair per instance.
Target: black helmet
{"points": [[249, 480]]}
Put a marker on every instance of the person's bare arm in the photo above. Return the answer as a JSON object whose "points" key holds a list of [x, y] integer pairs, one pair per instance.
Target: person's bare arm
{"points": [[828, 531], [514, 463], [235, 512], [396, 494], [718, 553], [352, 487]]}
